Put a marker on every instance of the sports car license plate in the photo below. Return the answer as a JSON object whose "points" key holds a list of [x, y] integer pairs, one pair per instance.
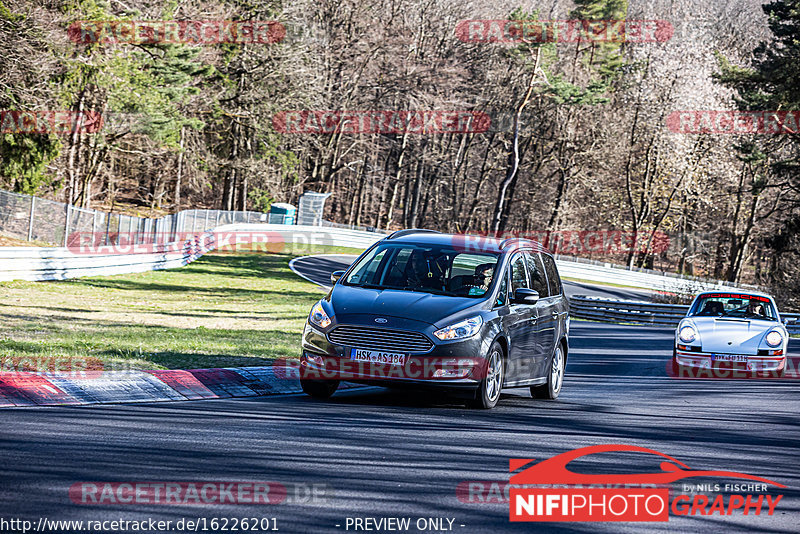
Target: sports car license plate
{"points": [[729, 358], [374, 356]]}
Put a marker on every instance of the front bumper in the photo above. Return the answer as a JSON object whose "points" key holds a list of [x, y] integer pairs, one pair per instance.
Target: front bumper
{"points": [[451, 365], [754, 363]]}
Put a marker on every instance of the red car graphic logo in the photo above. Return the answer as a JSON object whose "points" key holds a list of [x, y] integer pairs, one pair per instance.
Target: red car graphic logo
{"points": [[554, 470]]}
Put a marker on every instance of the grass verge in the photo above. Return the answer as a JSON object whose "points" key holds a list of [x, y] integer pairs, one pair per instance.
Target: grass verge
{"points": [[222, 310]]}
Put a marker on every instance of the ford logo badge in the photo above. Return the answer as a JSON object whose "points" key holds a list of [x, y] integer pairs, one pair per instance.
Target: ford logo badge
{"points": [[381, 320]]}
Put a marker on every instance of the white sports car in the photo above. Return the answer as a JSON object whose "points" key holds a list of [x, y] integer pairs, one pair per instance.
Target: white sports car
{"points": [[740, 331]]}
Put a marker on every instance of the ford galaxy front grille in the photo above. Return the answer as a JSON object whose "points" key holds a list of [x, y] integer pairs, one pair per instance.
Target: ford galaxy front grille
{"points": [[385, 339]]}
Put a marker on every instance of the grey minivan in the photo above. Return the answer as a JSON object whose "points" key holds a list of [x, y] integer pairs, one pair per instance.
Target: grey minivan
{"points": [[420, 308]]}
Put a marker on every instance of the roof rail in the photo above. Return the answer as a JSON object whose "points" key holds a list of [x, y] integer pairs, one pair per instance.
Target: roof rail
{"points": [[522, 242], [401, 233]]}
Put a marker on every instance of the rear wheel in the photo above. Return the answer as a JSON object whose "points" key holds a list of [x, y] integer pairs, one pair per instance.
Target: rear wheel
{"points": [[494, 372], [319, 389], [551, 388]]}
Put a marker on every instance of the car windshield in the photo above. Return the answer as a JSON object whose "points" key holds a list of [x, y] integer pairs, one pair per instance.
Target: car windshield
{"points": [[734, 305], [429, 269]]}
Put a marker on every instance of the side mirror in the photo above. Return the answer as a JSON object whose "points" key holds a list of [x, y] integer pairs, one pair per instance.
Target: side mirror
{"points": [[789, 320], [524, 295], [335, 275]]}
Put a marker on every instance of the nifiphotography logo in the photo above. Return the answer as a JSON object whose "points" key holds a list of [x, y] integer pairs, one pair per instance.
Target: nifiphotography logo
{"points": [[549, 491]]}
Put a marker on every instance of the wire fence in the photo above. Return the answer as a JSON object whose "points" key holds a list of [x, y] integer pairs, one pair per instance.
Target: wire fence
{"points": [[31, 218]]}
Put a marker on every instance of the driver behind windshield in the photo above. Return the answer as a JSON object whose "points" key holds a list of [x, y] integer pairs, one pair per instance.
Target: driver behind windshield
{"points": [[755, 308], [483, 279]]}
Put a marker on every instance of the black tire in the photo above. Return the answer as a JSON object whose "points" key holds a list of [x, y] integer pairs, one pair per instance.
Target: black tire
{"points": [[676, 367], [319, 389], [493, 375], [555, 377]]}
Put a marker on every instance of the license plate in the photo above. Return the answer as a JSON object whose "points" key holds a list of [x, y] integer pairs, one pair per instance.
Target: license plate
{"points": [[729, 358], [374, 356]]}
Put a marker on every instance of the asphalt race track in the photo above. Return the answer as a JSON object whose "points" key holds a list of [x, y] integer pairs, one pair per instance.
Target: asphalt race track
{"points": [[318, 269], [379, 453]]}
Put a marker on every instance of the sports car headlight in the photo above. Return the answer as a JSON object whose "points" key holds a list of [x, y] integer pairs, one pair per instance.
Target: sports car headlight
{"points": [[687, 334], [774, 338], [319, 317], [461, 330]]}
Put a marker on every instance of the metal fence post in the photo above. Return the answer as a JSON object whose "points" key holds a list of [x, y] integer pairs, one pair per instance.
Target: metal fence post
{"points": [[66, 225], [94, 226], [30, 218], [205, 224]]}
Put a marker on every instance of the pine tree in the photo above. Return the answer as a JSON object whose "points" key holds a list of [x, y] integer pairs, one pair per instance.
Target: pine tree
{"points": [[772, 83]]}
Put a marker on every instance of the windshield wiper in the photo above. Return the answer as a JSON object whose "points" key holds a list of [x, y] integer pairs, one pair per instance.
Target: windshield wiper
{"points": [[425, 290], [369, 286]]}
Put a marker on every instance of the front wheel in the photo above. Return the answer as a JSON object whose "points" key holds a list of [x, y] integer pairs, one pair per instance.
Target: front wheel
{"points": [[676, 367], [489, 390], [551, 388], [319, 389]]}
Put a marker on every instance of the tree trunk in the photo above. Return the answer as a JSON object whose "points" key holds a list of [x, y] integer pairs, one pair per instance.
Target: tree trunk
{"points": [[503, 199], [398, 173], [74, 151], [179, 172]]}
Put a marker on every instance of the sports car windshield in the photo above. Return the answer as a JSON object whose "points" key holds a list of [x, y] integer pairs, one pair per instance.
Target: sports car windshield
{"points": [[736, 306], [429, 269]]}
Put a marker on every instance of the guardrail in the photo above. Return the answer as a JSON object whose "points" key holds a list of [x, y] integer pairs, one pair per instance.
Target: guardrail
{"points": [[652, 280], [39, 264], [624, 271], [649, 313]]}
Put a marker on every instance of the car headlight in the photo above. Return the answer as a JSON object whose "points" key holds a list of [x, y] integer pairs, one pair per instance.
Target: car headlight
{"points": [[461, 330], [774, 338], [687, 334], [319, 317]]}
